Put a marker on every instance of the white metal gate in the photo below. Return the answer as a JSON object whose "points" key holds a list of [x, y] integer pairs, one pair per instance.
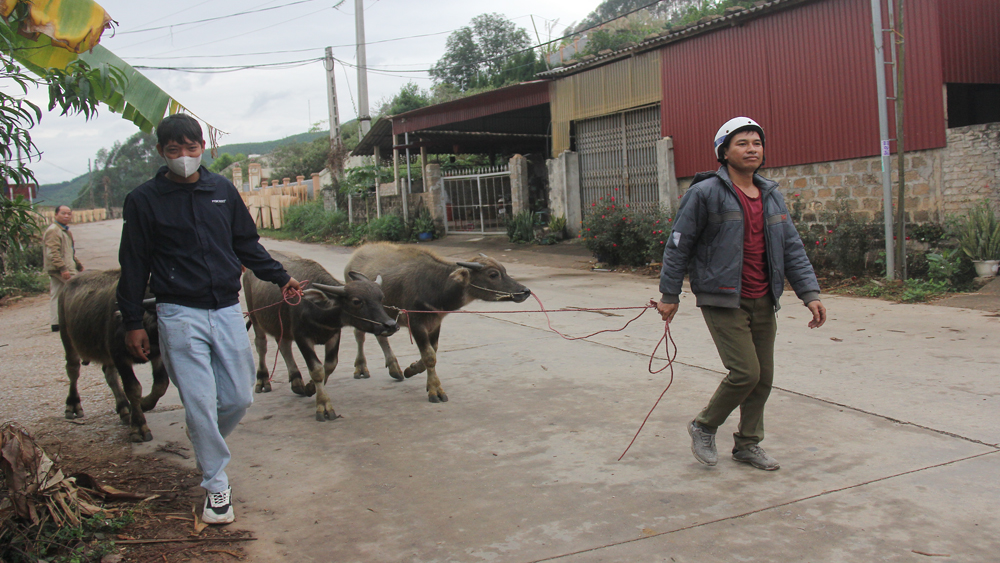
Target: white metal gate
{"points": [[618, 158], [478, 201]]}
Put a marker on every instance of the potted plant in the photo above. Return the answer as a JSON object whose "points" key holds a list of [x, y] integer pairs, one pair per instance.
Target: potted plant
{"points": [[423, 225], [980, 239]]}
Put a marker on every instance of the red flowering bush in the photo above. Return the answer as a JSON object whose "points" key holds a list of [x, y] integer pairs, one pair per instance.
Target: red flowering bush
{"points": [[620, 234]]}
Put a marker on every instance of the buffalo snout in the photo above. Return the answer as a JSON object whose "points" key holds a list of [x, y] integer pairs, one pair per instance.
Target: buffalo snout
{"points": [[520, 297], [387, 328]]}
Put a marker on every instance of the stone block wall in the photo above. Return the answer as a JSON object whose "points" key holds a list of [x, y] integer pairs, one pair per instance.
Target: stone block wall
{"points": [[971, 167]]}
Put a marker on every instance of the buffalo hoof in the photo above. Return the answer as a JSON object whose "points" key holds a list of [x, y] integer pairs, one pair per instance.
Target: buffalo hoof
{"points": [[262, 386], [298, 387], [328, 415], [361, 373], [74, 412], [310, 389], [409, 372], [394, 371], [439, 398], [140, 436]]}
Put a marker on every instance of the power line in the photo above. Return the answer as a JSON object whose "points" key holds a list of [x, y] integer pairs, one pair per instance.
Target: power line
{"points": [[216, 18], [231, 68]]}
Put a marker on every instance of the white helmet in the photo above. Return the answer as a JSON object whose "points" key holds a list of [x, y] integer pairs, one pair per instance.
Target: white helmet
{"points": [[731, 127]]}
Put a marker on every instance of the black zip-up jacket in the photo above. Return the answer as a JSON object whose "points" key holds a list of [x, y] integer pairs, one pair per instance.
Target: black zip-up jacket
{"points": [[188, 241], [707, 243]]}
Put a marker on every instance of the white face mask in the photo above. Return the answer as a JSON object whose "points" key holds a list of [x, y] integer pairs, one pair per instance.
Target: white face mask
{"points": [[184, 166]]}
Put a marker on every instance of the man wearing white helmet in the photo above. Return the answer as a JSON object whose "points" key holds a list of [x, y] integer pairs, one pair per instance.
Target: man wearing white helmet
{"points": [[734, 237]]}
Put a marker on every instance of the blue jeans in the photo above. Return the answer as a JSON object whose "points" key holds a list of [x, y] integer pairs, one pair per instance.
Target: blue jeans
{"points": [[207, 356]]}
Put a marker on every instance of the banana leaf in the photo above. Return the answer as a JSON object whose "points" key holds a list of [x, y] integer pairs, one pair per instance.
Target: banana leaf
{"points": [[73, 25]]}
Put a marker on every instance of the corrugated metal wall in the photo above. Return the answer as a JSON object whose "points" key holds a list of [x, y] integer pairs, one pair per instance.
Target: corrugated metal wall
{"points": [[807, 75], [970, 41], [618, 86]]}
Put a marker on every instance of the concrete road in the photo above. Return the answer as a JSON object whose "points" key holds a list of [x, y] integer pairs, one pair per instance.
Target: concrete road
{"points": [[886, 423]]}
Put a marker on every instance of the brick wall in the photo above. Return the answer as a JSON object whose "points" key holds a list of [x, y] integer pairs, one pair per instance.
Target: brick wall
{"points": [[939, 182]]}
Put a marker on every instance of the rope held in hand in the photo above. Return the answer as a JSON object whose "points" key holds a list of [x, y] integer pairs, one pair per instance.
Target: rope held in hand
{"points": [[291, 298]]}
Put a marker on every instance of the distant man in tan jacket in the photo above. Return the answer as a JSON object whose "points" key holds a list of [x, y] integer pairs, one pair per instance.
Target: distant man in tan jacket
{"points": [[60, 259]]}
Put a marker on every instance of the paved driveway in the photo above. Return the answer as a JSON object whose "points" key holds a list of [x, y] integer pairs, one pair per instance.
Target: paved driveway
{"points": [[886, 423]]}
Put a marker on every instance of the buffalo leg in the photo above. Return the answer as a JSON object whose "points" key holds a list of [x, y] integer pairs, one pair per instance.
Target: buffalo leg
{"points": [[294, 376], [138, 431], [160, 384], [263, 384], [324, 408], [332, 356], [73, 407], [435, 393], [360, 362], [122, 405], [418, 367], [390, 359]]}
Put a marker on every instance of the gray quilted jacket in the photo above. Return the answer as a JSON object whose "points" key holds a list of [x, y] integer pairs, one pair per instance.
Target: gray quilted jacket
{"points": [[707, 244]]}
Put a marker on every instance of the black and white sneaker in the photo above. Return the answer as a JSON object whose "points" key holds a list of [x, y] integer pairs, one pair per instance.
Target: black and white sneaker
{"points": [[219, 508]]}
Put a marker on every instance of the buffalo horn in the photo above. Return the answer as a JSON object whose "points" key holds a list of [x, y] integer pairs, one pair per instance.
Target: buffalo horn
{"points": [[483, 255], [378, 280], [471, 265], [357, 276], [331, 289]]}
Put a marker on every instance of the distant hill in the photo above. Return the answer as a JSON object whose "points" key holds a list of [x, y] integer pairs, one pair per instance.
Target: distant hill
{"points": [[64, 193]]}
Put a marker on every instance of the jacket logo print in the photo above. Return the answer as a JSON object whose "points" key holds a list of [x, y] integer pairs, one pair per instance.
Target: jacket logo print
{"points": [[224, 201], [784, 217]]}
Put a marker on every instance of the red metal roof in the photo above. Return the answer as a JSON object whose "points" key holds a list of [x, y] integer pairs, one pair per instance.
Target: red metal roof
{"points": [[501, 100], [970, 41], [807, 74]]}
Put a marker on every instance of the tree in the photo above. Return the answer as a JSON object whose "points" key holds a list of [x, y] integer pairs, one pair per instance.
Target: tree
{"points": [[120, 169], [479, 55], [300, 159], [409, 97]]}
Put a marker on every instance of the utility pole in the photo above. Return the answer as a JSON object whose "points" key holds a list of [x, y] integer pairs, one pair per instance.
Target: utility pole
{"points": [[337, 164], [364, 120], [883, 122], [900, 153]]}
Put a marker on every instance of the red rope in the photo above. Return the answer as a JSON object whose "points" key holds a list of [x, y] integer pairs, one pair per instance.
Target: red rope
{"points": [[287, 295]]}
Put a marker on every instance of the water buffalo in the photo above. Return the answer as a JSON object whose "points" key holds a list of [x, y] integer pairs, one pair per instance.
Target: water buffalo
{"points": [[418, 280], [326, 306], [91, 329]]}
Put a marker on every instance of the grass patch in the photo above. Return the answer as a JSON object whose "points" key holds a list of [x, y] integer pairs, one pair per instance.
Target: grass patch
{"points": [[23, 283], [89, 541]]}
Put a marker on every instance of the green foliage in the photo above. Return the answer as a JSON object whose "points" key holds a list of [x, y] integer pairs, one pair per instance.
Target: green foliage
{"points": [[76, 90], [300, 159], [226, 160], [618, 234], [423, 223], [387, 227], [927, 232], [557, 226], [360, 180], [485, 53], [119, 170], [310, 222], [409, 97], [87, 542], [521, 227], [922, 290], [18, 224], [980, 233]]}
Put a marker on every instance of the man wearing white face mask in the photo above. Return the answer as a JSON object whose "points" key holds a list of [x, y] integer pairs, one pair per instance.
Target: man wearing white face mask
{"points": [[187, 234]]}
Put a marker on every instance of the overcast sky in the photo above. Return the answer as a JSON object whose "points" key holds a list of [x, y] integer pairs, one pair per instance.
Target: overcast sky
{"points": [[260, 104]]}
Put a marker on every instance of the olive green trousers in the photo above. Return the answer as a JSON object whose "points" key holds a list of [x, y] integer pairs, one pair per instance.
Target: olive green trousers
{"points": [[745, 340]]}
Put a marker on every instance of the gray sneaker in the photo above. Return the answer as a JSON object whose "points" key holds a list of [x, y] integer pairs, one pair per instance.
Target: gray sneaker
{"points": [[703, 444], [757, 457]]}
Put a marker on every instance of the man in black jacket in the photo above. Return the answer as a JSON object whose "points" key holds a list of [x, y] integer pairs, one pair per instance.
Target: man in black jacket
{"points": [[734, 237], [188, 234]]}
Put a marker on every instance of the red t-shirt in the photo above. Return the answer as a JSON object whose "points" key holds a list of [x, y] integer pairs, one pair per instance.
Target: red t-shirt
{"points": [[754, 280]]}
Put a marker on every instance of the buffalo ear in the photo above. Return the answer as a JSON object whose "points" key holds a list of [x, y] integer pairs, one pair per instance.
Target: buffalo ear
{"points": [[316, 296], [378, 280], [461, 276], [357, 276], [331, 289]]}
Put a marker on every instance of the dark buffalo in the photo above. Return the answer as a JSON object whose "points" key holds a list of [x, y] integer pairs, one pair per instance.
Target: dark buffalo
{"points": [[326, 306], [92, 331], [418, 280]]}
